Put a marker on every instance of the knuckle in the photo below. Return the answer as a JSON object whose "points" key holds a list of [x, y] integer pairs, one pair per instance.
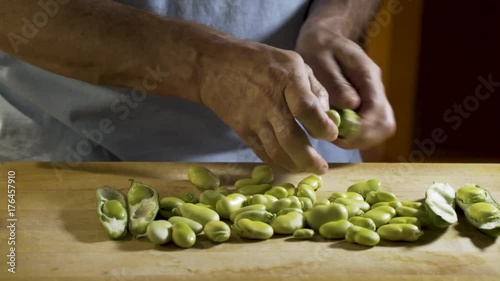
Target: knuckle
{"points": [[305, 108]]}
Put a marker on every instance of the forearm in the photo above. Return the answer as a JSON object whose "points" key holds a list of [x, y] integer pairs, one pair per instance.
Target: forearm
{"points": [[107, 43], [348, 18]]}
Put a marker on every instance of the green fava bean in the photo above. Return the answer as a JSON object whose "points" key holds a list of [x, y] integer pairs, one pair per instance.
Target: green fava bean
{"points": [[142, 206], [229, 204], [245, 209], [394, 204], [167, 204], [306, 203], [358, 203], [290, 188], [381, 215], [363, 188], [256, 215], [483, 212], [440, 205], [244, 182], [406, 220], [112, 211], [353, 211], [182, 235], [289, 202], [314, 181], [350, 124], [363, 222], [304, 190], [205, 206], [288, 224], [195, 226], [412, 204], [289, 210], [203, 178], [266, 200], [303, 233], [421, 215], [223, 190], [362, 236], [325, 202], [217, 231], [159, 232], [334, 116], [485, 216], [210, 197], [399, 232], [278, 192], [320, 215], [374, 197], [254, 189], [334, 229], [348, 195], [248, 229], [263, 173], [199, 214], [471, 194], [189, 197]]}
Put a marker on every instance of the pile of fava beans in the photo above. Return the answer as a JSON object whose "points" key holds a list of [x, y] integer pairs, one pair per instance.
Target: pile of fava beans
{"points": [[255, 208]]}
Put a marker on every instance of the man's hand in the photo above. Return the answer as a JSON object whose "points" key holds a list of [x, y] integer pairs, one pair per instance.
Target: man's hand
{"points": [[259, 91], [350, 77]]}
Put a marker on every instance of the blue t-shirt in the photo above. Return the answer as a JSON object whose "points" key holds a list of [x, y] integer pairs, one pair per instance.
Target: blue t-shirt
{"points": [[48, 117]]}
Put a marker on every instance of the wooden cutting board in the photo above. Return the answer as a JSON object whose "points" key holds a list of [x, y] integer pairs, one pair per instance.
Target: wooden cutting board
{"points": [[58, 235]]}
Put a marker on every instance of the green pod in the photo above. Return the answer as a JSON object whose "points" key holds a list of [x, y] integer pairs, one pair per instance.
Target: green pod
{"points": [[334, 229], [320, 215], [358, 203], [142, 206], [394, 204], [112, 211], [266, 200], [470, 194], [350, 124], [412, 204], [353, 211], [381, 215], [362, 236], [345, 194], [399, 232], [304, 190], [314, 181], [182, 235], [256, 215], [194, 225], [217, 231], [288, 224], [229, 204], [440, 205], [483, 215], [290, 188], [278, 192], [167, 204], [254, 189], [159, 232], [306, 203], [189, 197], [303, 233], [263, 173], [199, 214], [325, 202], [363, 222], [245, 209], [363, 188], [248, 229], [289, 210], [406, 220], [210, 197], [421, 215], [203, 178], [289, 202], [244, 182], [374, 197], [334, 116]]}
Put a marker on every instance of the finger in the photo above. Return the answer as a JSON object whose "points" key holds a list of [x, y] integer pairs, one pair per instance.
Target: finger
{"points": [[306, 107], [328, 72], [253, 141], [296, 144], [273, 149], [318, 90]]}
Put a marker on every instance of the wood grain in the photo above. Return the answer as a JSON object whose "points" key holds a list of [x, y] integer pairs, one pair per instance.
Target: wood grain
{"points": [[58, 236]]}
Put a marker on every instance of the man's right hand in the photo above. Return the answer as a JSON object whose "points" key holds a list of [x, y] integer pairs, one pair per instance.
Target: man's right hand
{"points": [[260, 91]]}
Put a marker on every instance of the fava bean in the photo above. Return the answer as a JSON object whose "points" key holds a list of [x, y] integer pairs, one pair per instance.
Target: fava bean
{"points": [[244, 182], [471, 194], [263, 173], [304, 190], [345, 194], [381, 215], [246, 228], [358, 203], [199, 214], [189, 197], [394, 204], [353, 211], [485, 216], [350, 124], [363, 222], [289, 202], [314, 181], [290, 188], [289, 210], [223, 190], [278, 192], [306, 203], [374, 197], [288, 224], [159, 232], [362, 236], [325, 202], [364, 187], [210, 197], [229, 204], [334, 116], [182, 235], [167, 204], [303, 233], [266, 200], [412, 204], [421, 215], [399, 232], [217, 231], [406, 220], [319, 215], [334, 229], [245, 209], [203, 178], [254, 189], [112, 211], [256, 215], [194, 225]]}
